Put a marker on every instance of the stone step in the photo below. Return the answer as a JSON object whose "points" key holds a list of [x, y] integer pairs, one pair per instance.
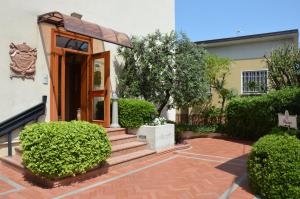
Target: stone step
{"points": [[130, 147], [18, 151], [122, 139], [117, 150], [14, 162], [121, 144], [115, 162], [129, 158], [4, 147], [115, 131], [115, 140]]}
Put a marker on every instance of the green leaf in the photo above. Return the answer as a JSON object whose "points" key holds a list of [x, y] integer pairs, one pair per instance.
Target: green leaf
{"points": [[59, 149]]}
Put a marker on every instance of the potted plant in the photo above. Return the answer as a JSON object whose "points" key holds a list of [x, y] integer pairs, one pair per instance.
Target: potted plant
{"points": [[158, 134]]}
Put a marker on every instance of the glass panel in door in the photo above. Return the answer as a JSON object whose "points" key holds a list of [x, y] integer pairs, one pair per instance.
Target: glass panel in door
{"points": [[99, 89], [98, 74]]}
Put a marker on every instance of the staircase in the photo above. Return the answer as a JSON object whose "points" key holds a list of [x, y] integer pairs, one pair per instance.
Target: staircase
{"points": [[125, 150], [125, 147]]}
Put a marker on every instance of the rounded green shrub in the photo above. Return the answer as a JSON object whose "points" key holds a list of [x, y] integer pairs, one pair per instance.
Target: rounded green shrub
{"points": [[133, 113], [274, 167], [59, 149]]}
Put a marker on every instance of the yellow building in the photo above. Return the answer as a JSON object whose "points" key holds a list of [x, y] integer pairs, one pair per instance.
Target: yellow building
{"points": [[247, 56]]}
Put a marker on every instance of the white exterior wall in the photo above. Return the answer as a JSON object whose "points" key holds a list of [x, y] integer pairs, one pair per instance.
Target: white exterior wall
{"points": [[248, 50], [18, 24]]}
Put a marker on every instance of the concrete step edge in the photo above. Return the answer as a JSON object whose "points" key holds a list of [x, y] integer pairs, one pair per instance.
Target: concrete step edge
{"points": [[12, 162], [121, 137], [128, 157], [115, 129], [129, 145]]}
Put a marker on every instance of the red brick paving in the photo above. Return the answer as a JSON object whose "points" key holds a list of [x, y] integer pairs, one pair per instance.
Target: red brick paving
{"points": [[205, 171], [180, 177], [5, 187], [242, 192], [219, 147]]}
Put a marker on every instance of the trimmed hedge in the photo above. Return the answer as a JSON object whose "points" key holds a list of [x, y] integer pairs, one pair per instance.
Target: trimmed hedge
{"points": [[59, 149], [285, 131], [196, 129], [133, 113], [274, 167], [252, 117]]}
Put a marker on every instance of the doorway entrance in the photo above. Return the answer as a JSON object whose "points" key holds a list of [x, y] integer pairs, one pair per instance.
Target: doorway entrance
{"points": [[74, 64], [80, 80]]}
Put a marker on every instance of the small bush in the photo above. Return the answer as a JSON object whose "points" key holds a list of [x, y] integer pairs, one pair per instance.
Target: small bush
{"points": [[285, 131], [252, 117], [196, 128], [212, 115], [180, 128], [59, 149], [178, 136], [133, 113], [274, 167]]}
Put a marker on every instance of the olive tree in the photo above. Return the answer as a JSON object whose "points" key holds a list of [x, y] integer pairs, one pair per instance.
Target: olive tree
{"points": [[218, 70], [284, 67], [166, 69]]}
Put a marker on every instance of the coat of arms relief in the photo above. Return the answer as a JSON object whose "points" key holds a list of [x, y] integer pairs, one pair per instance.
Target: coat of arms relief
{"points": [[23, 59]]}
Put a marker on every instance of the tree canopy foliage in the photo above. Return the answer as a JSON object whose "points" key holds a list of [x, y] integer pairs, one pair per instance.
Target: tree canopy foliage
{"points": [[166, 69], [218, 70], [284, 67]]}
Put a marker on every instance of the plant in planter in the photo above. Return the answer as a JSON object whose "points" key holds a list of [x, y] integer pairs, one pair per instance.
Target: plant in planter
{"points": [[158, 121], [158, 134], [137, 115]]}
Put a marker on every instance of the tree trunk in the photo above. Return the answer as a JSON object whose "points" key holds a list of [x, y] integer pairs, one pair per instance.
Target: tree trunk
{"points": [[165, 102], [222, 110], [184, 115]]}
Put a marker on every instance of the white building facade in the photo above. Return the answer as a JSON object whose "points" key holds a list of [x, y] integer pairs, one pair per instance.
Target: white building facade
{"points": [[19, 24]]}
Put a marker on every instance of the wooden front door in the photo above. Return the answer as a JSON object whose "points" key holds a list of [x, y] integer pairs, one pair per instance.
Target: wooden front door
{"points": [[69, 88], [70, 54], [73, 53], [99, 89]]}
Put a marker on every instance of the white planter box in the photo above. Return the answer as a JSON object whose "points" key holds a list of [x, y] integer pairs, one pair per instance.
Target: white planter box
{"points": [[158, 137]]}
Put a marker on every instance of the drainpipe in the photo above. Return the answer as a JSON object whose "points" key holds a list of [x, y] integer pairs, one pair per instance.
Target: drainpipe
{"points": [[115, 114]]}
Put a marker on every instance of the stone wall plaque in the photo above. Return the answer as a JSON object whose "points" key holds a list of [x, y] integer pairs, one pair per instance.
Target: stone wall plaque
{"points": [[23, 59]]}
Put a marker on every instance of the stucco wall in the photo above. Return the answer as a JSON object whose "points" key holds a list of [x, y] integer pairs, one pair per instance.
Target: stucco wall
{"points": [[19, 24], [248, 50], [233, 80], [246, 56]]}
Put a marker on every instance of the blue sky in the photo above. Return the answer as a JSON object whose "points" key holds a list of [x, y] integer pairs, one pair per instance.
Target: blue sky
{"points": [[213, 19]]}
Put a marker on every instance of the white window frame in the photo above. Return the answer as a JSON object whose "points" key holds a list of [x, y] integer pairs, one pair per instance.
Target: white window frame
{"points": [[254, 93]]}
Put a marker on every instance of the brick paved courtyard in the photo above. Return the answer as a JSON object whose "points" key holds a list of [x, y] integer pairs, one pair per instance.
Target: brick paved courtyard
{"points": [[211, 168]]}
